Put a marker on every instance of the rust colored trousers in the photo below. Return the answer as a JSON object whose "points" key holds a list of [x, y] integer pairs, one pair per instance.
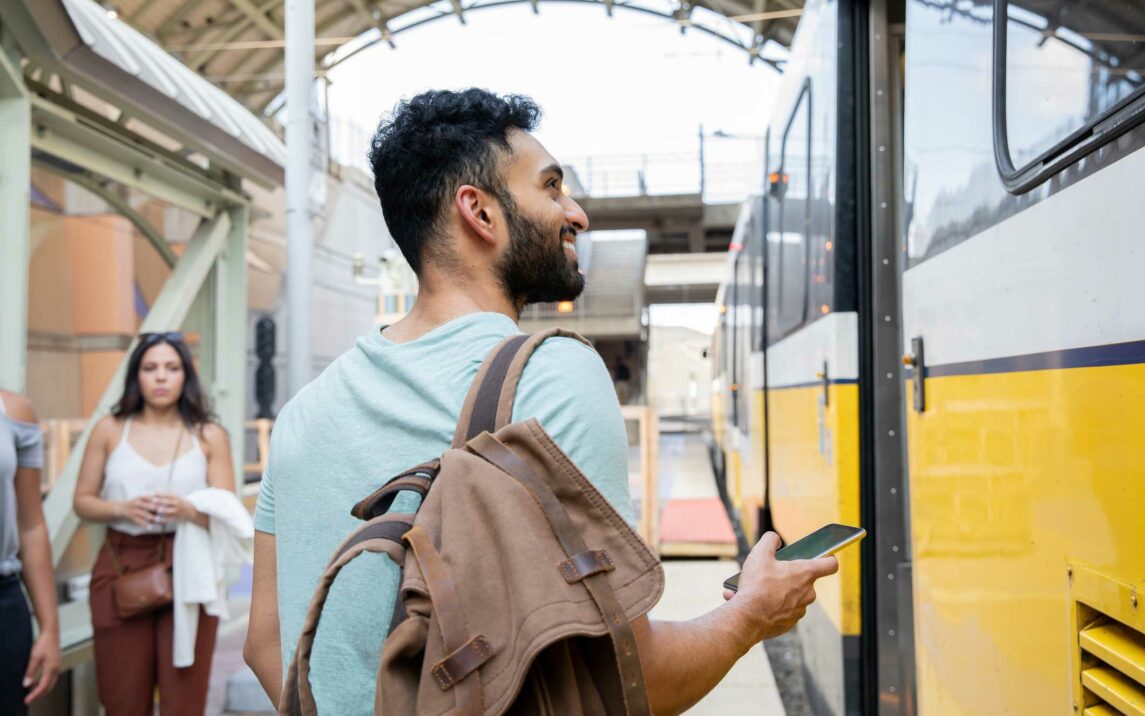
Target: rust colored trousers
{"points": [[133, 656]]}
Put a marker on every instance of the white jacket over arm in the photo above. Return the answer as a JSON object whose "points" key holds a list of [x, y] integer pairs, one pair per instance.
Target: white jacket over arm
{"points": [[202, 559]]}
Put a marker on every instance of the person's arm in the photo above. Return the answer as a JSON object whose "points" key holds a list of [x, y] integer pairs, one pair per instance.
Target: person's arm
{"points": [[220, 474], [683, 661], [36, 557], [567, 387], [263, 648], [87, 502]]}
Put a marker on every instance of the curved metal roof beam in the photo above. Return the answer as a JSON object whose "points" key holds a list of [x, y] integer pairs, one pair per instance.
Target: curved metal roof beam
{"points": [[607, 4], [116, 202], [273, 105]]}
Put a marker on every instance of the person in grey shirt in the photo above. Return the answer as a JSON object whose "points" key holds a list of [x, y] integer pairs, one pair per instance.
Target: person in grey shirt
{"points": [[27, 669]]}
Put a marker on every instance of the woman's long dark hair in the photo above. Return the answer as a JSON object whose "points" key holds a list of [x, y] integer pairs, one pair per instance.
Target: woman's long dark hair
{"points": [[193, 407]]}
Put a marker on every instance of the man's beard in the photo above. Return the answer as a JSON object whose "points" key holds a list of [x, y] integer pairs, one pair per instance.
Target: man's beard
{"points": [[534, 268]]}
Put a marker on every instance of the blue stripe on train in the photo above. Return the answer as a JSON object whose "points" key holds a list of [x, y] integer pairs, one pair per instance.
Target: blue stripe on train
{"points": [[1129, 353]]}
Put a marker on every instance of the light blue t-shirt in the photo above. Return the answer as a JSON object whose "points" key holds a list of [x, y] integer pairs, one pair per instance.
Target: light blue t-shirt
{"points": [[376, 411]]}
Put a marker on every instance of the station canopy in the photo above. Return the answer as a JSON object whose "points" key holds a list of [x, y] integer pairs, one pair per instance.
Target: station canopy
{"points": [[238, 44]]}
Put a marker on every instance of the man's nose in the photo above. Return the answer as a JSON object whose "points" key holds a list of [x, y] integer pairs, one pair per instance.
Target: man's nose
{"points": [[575, 215]]}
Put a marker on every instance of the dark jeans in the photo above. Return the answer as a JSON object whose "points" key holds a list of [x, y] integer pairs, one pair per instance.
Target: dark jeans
{"points": [[15, 646]]}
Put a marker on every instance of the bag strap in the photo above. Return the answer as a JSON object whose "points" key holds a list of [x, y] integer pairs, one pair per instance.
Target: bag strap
{"points": [[115, 564], [488, 406], [381, 534], [589, 567], [463, 654]]}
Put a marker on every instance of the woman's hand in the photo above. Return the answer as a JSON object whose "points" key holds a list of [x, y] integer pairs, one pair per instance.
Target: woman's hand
{"points": [[43, 666], [143, 511], [175, 507]]}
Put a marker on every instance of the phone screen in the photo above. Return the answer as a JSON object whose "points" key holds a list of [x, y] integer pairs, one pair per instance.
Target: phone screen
{"points": [[820, 543]]}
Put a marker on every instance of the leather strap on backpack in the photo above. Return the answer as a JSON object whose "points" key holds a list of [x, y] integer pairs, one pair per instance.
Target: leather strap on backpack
{"points": [[463, 654], [586, 566], [381, 534], [489, 405]]}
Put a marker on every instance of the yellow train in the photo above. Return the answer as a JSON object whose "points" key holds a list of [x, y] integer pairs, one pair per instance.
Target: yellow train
{"points": [[933, 326]]}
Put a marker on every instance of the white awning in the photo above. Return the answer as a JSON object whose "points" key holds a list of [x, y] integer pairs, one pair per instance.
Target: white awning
{"points": [[107, 57]]}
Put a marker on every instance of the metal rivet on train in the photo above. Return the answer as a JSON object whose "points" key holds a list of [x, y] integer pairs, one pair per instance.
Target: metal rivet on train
{"points": [[895, 548], [891, 689], [879, 92], [887, 319], [1133, 599], [890, 376], [878, 37], [891, 632], [886, 261], [883, 205], [894, 491], [891, 433], [890, 576]]}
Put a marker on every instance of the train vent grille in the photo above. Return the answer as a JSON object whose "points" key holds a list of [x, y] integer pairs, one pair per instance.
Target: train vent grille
{"points": [[1113, 668]]}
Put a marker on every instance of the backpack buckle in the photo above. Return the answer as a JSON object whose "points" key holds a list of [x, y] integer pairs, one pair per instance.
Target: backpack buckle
{"points": [[586, 564], [462, 662]]}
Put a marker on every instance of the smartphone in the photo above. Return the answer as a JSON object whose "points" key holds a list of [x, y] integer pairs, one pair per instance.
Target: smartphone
{"points": [[820, 543]]}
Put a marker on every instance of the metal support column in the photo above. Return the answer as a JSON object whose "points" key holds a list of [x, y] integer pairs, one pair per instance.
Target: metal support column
{"points": [[299, 238], [15, 180], [230, 321]]}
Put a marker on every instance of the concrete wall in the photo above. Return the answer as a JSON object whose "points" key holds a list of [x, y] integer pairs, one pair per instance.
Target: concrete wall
{"points": [[92, 277], [679, 376], [342, 310]]}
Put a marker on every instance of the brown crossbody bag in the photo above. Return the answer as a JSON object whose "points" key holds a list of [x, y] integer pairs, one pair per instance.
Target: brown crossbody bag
{"points": [[150, 588]]}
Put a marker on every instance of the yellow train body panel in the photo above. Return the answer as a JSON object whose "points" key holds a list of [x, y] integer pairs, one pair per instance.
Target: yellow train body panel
{"points": [[754, 485], [1020, 483], [814, 454], [717, 408]]}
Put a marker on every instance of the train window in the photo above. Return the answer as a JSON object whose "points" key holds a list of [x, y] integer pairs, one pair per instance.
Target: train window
{"points": [[734, 314], [1069, 77], [793, 215], [757, 264]]}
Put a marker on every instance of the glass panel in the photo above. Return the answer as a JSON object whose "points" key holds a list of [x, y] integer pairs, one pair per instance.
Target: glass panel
{"points": [[794, 219], [1067, 64], [744, 311]]}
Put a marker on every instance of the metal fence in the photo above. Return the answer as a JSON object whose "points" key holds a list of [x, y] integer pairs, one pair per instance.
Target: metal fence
{"points": [[722, 168]]}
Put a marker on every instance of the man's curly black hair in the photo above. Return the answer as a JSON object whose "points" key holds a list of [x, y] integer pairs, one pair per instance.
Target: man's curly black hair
{"points": [[431, 145]]}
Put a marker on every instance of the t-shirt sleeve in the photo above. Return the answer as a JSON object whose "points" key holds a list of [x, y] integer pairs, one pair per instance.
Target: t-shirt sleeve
{"points": [[264, 507], [29, 446], [567, 388]]}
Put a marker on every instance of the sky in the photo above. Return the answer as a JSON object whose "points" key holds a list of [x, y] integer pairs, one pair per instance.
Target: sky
{"points": [[624, 85]]}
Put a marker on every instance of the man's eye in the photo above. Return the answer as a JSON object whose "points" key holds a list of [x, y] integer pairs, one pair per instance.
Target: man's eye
{"points": [[554, 183]]}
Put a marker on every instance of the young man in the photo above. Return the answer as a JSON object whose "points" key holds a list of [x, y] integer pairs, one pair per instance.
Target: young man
{"points": [[476, 205]]}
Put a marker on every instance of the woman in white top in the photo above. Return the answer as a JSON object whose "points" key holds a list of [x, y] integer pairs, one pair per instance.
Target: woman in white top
{"points": [[156, 447]]}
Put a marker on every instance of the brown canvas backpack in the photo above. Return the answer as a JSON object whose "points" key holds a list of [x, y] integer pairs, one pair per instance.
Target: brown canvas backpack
{"points": [[519, 580]]}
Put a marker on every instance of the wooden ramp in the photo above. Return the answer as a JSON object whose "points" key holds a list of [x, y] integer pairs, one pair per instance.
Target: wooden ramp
{"points": [[696, 527]]}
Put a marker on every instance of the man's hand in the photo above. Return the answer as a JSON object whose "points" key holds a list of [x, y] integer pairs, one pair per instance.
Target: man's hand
{"points": [[773, 595], [43, 666]]}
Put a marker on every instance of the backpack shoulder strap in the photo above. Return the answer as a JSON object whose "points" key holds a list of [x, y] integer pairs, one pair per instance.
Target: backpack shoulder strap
{"points": [[489, 405]]}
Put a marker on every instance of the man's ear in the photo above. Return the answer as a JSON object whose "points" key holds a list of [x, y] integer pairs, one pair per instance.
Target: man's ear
{"points": [[477, 211]]}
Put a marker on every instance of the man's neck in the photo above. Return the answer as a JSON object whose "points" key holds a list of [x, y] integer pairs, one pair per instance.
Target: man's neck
{"points": [[441, 300]]}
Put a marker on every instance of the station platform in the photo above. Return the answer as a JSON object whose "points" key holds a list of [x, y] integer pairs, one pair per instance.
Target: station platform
{"points": [[693, 587]]}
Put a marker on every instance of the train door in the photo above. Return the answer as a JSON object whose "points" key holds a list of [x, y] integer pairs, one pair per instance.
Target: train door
{"points": [[1025, 330], [887, 599], [810, 359]]}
